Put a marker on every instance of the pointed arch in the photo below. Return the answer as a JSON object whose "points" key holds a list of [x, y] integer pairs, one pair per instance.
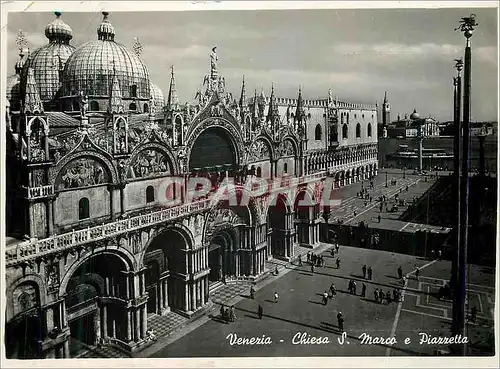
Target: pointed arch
{"points": [[358, 130], [318, 132]]}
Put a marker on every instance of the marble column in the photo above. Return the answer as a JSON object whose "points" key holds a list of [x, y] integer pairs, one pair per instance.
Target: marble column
{"points": [[159, 292], [104, 321], [129, 325], [144, 325], [137, 332], [202, 286]]}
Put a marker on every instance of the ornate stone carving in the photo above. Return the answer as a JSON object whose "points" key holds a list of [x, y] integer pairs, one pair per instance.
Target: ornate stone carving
{"points": [[83, 172], [286, 148], [216, 110], [149, 163], [258, 151], [52, 275]]}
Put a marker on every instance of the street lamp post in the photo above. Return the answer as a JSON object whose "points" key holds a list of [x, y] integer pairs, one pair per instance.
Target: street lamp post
{"points": [[386, 184], [457, 145], [467, 27]]}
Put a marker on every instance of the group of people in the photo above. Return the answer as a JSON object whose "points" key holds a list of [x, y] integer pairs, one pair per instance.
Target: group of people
{"points": [[380, 296], [228, 315], [313, 259], [352, 287], [367, 272]]}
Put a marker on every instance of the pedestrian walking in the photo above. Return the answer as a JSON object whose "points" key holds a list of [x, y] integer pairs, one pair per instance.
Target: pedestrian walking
{"points": [[340, 321], [370, 272], [312, 268], [381, 296], [364, 271], [417, 273], [388, 297], [439, 254], [308, 256], [337, 247], [325, 298], [338, 263], [276, 297], [400, 272], [363, 290], [332, 251], [375, 294], [252, 292], [260, 311], [395, 295], [379, 217], [333, 291], [349, 286], [353, 287], [300, 260], [473, 315]]}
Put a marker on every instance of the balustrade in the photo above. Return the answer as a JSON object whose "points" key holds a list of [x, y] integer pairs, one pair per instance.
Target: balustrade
{"points": [[36, 248]]}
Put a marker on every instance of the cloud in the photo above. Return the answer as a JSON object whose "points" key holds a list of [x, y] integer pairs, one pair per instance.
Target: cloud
{"points": [[401, 51]]}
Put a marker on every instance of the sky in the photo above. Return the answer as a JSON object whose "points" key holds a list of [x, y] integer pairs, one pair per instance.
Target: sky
{"points": [[359, 53]]}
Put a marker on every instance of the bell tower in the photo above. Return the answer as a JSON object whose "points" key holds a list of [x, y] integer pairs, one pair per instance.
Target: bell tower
{"points": [[386, 111]]}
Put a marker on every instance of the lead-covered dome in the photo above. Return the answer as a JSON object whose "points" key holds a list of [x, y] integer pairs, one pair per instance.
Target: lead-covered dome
{"points": [[157, 97], [48, 61], [90, 69]]}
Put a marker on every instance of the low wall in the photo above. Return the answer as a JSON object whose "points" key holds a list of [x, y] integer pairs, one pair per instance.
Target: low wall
{"points": [[418, 243]]}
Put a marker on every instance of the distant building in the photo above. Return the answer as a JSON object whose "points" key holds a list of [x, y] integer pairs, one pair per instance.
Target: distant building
{"points": [[408, 127]]}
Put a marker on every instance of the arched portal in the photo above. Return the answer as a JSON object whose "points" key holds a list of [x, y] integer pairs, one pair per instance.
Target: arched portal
{"points": [[96, 301], [306, 219], [24, 330], [213, 148], [279, 221], [220, 255], [165, 262]]}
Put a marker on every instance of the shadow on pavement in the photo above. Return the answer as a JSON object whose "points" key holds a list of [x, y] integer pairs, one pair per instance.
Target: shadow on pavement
{"points": [[329, 331]]}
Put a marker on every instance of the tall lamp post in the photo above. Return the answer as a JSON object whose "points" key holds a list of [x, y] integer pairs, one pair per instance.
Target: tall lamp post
{"points": [[457, 145], [386, 184], [467, 27]]}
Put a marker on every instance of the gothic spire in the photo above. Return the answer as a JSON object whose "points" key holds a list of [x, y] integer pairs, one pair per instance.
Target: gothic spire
{"points": [[255, 106], [115, 105], [173, 99], [272, 112], [299, 112], [243, 97], [330, 96], [32, 102], [385, 97]]}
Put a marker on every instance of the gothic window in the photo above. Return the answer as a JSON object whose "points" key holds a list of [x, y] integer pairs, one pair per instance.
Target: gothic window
{"points": [[146, 108], [94, 106], [317, 133], [132, 107], [133, 91], [150, 194], [347, 118], [358, 130], [259, 172], [355, 116], [369, 129], [344, 131], [83, 209], [285, 168]]}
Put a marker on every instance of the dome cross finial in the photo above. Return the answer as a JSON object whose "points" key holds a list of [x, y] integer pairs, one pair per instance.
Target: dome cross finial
{"points": [[21, 41], [137, 47]]}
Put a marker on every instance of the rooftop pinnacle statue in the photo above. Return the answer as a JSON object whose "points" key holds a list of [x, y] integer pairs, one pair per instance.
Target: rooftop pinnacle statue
{"points": [[213, 62]]}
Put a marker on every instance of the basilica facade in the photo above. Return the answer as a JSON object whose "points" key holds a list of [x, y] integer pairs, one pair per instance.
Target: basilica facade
{"points": [[93, 152]]}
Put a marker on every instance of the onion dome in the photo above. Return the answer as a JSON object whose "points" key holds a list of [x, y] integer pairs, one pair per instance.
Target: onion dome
{"points": [[414, 115], [58, 31], [157, 97], [48, 61], [91, 67]]}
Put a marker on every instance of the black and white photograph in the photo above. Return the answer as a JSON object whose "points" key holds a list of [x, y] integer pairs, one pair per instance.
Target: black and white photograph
{"points": [[250, 180]]}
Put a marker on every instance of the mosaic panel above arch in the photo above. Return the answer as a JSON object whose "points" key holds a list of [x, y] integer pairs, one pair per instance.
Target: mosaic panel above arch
{"points": [[82, 172], [149, 162], [258, 151]]}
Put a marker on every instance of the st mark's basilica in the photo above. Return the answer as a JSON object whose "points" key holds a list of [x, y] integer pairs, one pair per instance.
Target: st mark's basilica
{"points": [[91, 141]]}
